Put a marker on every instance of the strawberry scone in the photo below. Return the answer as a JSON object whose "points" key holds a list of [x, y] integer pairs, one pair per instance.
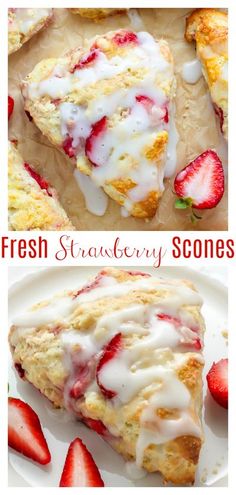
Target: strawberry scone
{"points": [[97, 14], [109, 106], [124, 354], [32, 203], [209, 28], [24, 23]]}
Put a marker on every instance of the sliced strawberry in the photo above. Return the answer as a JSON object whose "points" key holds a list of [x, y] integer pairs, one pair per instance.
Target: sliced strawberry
{"points": [[80, 468], [84, 376], [91, 285], [196, 343], [149, 103], [201, 183], [125, 38], [220, 115], [111, 350], [137, 273], [166, 116], [43, 184], [169, 319], [68, 148], [217, 379], [96, 425], [88, 59], [95, 139], [25, 433], [10, 106]]}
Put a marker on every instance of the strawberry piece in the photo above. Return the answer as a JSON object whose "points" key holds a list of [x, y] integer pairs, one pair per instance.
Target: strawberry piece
{"points": [[137, 273], [125, 38], [201, 183], [86, 60], [111, 350], [80, 468], [217, 379], [25, 433], [220, 115], [97, 132], [169, 319], [96, 425], [68, 148], [166, 116], [20, 370], [177, 323], [146, 101], [91, 285], [85, 374], [10, 106], [28, 115], [43, 184]]}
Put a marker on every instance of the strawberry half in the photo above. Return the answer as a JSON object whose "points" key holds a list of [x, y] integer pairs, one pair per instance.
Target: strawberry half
{"points": [[43, 184], [201, 183], [25, 433], [125, 38], [10, 106], [94, 143], [80, 468], [86, 60], [217, 379], [111, 350]]}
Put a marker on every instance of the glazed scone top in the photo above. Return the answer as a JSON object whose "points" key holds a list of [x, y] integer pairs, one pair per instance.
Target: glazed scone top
{"points": [[23, 23], [32, 203], [154, 375], [108, 107], [209, 28]]}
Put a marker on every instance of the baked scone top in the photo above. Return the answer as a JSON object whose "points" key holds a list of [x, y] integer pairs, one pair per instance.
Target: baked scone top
{"points": [[32, 202], [108, 107], [209, 28], [148, 395], [96, 14], [24, 23]]}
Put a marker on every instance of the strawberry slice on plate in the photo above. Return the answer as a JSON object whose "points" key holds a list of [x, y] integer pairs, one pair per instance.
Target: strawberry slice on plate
{"points": [[10, 106], [201, 183], [80, 468], [110, 351], [217, 380], [25, 433]]}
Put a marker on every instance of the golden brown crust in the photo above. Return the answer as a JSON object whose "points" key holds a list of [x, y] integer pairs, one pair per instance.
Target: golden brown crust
{"points": [[97, 14]]}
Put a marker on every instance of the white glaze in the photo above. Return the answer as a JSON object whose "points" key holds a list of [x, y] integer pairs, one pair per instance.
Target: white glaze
{"points": [[192, 71], [134, 472], [95, 198]]}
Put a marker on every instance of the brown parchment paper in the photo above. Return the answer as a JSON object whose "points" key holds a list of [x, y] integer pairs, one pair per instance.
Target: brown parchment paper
{"points": [[195, 120]]}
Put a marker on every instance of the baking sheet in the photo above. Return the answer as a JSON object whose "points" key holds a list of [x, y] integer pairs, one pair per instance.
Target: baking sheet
{"points": [[195, 120]]}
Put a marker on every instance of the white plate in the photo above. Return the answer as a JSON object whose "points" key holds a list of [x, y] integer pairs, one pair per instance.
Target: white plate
{"points": [[59, 431]]}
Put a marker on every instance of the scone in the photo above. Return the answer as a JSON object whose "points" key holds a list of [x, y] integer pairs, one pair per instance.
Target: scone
{"points": [[209, 28], [123, 354], [97, 14], [24, 23], [32, 202], [108, 106]]}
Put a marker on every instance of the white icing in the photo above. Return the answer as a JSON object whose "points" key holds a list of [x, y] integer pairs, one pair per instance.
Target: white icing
{"points": [[96, 200], [55, 87], [192, 71], [134, 472], [56, 310]]}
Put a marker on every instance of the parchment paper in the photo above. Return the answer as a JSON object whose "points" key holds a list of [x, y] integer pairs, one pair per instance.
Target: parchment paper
{"points": [[195, 120]]}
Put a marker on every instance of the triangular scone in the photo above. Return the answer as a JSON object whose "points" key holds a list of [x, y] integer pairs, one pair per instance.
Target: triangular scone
{"points": [[108, 106], [97, 14], [24, 23], [124, 354], [209, 28], [32, 202]]}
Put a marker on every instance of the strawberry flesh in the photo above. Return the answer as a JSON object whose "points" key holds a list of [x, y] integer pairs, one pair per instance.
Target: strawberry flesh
{"points": [[125, 38], [25, 433], [110, 351], [137, 273], [217, 380], [85, 374], [196, 343], [96, 425], [68, 148], [80, 468], [148, 103], [86, 60], [202, 181], [97, 132], [10, 106], [220, 115], [91, 285], [20, 370], [43, 184]]}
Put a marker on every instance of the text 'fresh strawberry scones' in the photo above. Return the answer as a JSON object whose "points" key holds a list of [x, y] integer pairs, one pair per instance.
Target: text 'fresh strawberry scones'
{"points": [[32, 203], [24, 23], [108, 106], [124, 355]]}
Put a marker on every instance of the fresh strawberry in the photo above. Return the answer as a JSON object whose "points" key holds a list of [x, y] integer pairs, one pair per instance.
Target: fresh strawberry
{"points": [[10, 106], [201, 183], [96, 135], [80, 468], [86, 60], [110, 350], [220, 115], [217, 379], [25, 433], [43, 184], [125, 38], [68, 148], [96, 425]]}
